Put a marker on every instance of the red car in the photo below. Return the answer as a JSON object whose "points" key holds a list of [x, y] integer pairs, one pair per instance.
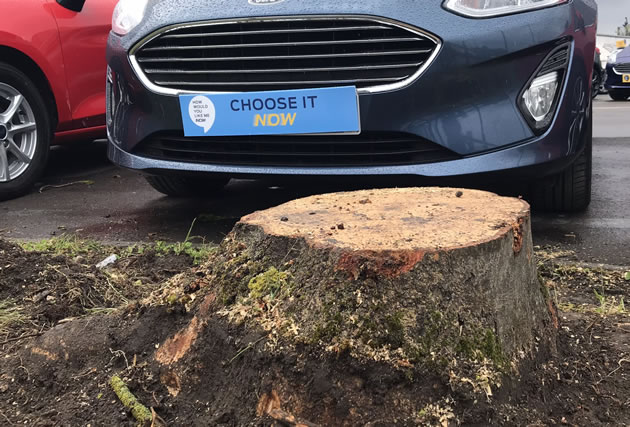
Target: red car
{"points": [[52, 82]]}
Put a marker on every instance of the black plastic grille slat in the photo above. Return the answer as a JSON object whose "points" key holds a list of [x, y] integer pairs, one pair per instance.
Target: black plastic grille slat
{"points": [[622, 68], [285, 54], [367, 149], [557, 61]]}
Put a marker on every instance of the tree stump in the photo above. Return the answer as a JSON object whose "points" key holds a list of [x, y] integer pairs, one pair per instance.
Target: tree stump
{"points": [[438, 277], [394, 306]]}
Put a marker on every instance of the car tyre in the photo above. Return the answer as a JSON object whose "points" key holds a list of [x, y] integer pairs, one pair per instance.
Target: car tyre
{"points": [[597, 82], [569, 190], [25, 152], [617, 95], [182, 186]]}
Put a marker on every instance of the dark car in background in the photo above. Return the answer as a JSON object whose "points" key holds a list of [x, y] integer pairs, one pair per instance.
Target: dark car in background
{"points": [[618, 75], [200, 91]]}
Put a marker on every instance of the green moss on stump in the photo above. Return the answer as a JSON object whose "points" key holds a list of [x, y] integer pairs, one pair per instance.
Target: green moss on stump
{"points": [[272, 283], [140, 412], [234, 274], [484, 344], [328, 330], [364, 317]]}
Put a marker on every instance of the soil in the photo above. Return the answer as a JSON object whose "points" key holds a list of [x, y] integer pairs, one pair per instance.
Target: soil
{"points": [[44, 289], [166, 338]]}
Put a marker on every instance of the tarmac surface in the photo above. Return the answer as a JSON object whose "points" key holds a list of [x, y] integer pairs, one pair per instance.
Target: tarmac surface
{"points": [[82, 192]]}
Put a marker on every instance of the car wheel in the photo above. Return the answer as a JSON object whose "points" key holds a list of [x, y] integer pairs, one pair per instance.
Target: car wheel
{"points": [[569, 190], [25, 133], [618, 95], [179, 186]]}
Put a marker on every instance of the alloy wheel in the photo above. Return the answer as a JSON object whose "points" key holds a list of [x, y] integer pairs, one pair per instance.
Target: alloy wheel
{"points": [[18, 133]]}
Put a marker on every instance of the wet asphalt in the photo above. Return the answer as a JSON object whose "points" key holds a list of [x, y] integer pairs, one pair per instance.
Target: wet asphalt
{"points": [[100, 201]]}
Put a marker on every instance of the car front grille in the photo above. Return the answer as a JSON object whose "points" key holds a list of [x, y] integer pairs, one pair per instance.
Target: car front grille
{"points": [[622, 68], [285, 53], [367, 149]]}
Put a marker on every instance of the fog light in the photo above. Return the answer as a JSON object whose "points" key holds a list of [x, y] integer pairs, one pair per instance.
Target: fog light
{"points": [[539, 98]]}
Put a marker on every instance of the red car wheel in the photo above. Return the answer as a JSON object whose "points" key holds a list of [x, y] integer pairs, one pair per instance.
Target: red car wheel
{"points": [[25, 133]]}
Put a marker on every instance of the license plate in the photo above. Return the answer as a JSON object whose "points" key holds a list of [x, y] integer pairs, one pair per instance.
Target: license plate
{"points": [[303, 111], [626, 78]]}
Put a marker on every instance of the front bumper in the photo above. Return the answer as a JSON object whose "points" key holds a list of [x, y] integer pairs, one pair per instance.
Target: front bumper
{"points": [[466, 101], [513, 158], [614, 80]]}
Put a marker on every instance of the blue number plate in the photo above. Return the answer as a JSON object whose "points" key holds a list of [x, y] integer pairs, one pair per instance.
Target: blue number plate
{"points": [[305, 111]]}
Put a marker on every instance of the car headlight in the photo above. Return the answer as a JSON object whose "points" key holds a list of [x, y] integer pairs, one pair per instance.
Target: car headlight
{"points": [[488, 8], [127, 15]]}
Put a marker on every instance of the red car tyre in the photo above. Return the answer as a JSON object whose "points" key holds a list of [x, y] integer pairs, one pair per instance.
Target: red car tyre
{"points": [[25, 132]]}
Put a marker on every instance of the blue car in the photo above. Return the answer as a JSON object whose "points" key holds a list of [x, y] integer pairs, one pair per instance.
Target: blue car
{"points": [[618, 75], [201, 91]]}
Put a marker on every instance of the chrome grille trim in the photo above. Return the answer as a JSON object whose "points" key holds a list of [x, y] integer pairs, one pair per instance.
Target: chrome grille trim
{"points": [[297, 30], [263, 83], [148, 68], [622, 68], [281, 70], [246, 45], [270, 58]]}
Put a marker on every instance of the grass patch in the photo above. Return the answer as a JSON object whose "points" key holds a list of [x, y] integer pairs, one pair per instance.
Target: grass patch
{"points": [[198, 252], [609, 304], [11, 314], [69, 245], [72, 245], [569, 281]]}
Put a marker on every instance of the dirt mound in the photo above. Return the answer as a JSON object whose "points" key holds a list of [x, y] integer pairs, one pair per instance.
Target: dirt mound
{"points": [[38, 289], [179, 353]]}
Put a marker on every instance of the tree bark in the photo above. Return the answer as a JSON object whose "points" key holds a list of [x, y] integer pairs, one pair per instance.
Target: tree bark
{"points": [[435, 276]]}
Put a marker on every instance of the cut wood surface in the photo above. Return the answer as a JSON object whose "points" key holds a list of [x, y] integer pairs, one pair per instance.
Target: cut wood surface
{"points": [[426, 219]]}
